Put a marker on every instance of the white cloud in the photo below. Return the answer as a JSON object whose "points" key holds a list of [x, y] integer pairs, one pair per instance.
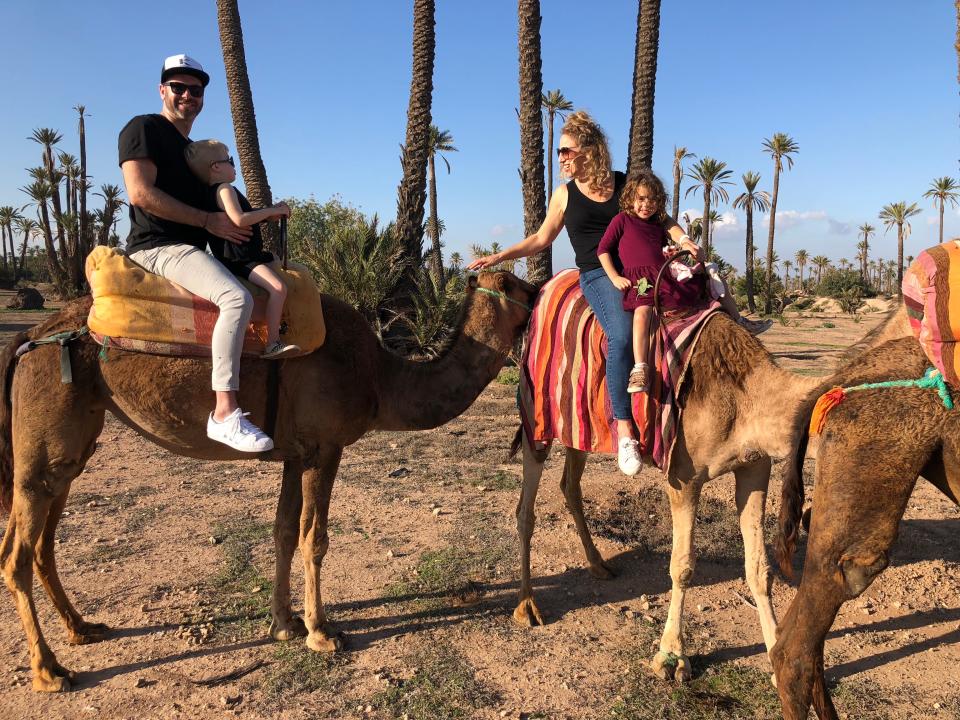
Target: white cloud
{"points": [[729, 224], [500, 230], [839, 228], [792, 218]]}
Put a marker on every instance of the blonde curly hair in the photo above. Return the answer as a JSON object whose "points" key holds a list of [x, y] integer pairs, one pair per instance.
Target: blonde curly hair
{"points": [[593, 145]]}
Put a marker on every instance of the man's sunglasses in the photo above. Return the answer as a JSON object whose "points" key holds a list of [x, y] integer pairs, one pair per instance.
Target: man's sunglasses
{"points": [[179, 88]]}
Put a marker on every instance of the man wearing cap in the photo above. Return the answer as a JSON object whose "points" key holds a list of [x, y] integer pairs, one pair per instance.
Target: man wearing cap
{"points": [[169, 233]]}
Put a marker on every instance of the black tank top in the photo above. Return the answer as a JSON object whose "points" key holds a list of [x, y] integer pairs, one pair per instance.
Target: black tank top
{"points": [[586, 220]]}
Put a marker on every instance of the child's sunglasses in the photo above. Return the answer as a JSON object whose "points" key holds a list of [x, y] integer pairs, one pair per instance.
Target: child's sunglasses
{"points": [[179, 88]]}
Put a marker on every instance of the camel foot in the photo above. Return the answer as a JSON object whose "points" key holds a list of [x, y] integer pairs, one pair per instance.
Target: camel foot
{"points": [[325, 641], [670, 666], [527, 614], [601, 571], [55, 679], [87, 633], [291, 628]]}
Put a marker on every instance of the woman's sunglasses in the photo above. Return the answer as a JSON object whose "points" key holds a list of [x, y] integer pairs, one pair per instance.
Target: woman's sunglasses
{"points": [[179, 88], [566, 152]]}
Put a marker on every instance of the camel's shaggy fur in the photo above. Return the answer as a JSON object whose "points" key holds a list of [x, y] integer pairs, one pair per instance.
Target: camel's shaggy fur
{"points": [[875, 445], [327, 400]]}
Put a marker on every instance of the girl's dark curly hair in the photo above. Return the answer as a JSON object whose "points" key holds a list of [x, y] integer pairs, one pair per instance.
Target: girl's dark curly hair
{"points": [[644, 179]]}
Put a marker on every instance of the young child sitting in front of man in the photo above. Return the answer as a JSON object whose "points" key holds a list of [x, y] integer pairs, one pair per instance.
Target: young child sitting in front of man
{"points": [[211, 162]]}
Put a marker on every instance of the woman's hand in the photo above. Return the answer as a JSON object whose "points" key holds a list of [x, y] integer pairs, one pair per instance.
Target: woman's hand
{"points": [[486, 261], [621, 283]]}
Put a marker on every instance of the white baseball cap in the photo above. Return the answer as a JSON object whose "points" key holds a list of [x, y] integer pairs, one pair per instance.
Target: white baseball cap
{"points": [[183, 65]]}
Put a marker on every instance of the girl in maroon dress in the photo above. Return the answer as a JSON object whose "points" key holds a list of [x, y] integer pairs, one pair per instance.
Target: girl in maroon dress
{"points": [[632, 253]]}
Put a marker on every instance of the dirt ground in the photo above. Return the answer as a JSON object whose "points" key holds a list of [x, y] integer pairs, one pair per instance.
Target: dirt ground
{"points": [[421, 576]]}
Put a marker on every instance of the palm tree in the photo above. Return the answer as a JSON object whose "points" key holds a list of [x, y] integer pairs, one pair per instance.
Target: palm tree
{"points": [[820, 262], [898, 214], [866, 230], [787, 264], [39, 192], [415, 150], [48, 138], [943, 190], [84, 182], [801, 256], [555, 105], [747, 201], [28, 228], [679, 155], [456, 260], [710, 175], [780, 147], [111, 205], [540, 266], [640, 153], [441, 141], [242, 111], [8, 214]]}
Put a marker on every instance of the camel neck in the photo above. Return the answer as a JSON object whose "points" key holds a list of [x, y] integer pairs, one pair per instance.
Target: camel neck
{"points": [[424, 395]]}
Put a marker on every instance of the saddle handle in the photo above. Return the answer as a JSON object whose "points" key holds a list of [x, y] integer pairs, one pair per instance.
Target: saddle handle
{"points": [[283, 241], [656, 285]]}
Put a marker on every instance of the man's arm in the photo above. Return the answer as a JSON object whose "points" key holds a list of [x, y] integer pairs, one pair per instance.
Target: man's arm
{"points": [[139, 177]]}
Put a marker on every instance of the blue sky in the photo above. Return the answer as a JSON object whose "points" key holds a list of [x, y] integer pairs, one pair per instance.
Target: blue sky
{"points": [[868, 90]]}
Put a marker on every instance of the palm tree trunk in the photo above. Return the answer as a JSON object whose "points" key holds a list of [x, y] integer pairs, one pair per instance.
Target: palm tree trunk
{"points": [[941, 220], [412, 190], [705, 223], [751, 303], [899, 259], [85, 235], [549, 154], [640, 154], [676, 189], [242, 112], [768, 296], [57, 274], [62, 261], [539, 266], [436, 258]]}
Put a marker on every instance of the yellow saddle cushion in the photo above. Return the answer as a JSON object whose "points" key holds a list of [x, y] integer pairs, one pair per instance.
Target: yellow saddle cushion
{"points": [[131, 303]]}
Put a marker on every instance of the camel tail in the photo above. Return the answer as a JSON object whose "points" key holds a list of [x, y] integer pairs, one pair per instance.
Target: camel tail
{"points": [[791, 501], [8, 363], [517, 442]]}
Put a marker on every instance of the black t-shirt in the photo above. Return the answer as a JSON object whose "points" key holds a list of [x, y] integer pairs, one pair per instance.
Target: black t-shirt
{"points": [[586, 220], [153, 137]]}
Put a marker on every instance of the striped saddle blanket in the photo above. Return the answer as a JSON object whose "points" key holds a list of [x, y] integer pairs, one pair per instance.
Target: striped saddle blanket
{"points": [[137, 310], [563, 385], [931, 294]]}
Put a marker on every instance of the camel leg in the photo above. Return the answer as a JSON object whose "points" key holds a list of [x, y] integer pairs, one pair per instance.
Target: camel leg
{"points": [[752, 482], [24, 528], [527, 613], [79, 631], [317, 484], [859, 506], [570, 485], [285, 625], [672, 661]]}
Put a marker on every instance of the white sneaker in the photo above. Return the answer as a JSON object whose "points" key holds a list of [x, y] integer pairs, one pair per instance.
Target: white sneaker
{"points": [[628, 456], [239, 433]]}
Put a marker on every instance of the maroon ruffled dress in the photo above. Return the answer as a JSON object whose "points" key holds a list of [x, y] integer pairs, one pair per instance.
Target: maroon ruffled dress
{"points": [[636, 246]]}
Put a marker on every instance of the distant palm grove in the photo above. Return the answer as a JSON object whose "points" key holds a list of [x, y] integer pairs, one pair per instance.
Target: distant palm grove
{"points": [[408, 289]]}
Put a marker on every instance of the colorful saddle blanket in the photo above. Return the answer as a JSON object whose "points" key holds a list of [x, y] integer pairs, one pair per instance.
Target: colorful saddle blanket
{"points": [[931, 294], [563, 385], [137, 310]]}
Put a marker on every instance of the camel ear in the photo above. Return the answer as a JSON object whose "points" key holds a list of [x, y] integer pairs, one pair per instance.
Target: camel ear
{"points": [[472, 282], [502, 282]]}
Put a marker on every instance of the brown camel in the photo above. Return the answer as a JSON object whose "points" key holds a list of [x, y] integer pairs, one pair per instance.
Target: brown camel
{"points": [[738, 408], [327, 400], [874, 446]]}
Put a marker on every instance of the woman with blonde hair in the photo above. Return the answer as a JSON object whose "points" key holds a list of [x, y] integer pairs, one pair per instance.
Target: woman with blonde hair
{"points": [[585, 205]]}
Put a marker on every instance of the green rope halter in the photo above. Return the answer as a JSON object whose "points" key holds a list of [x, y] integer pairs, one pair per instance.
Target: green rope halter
{"points": [[502, 296], [932, 380]]}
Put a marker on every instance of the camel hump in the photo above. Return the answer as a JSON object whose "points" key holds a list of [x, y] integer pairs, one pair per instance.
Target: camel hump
{"points": [[138, 310]]}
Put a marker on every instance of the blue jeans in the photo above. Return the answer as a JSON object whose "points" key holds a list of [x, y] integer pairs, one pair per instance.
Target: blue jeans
{"points": [[607, 303]]}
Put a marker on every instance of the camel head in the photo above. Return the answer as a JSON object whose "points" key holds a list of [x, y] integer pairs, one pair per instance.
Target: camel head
{"points": [[502, 301]]}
